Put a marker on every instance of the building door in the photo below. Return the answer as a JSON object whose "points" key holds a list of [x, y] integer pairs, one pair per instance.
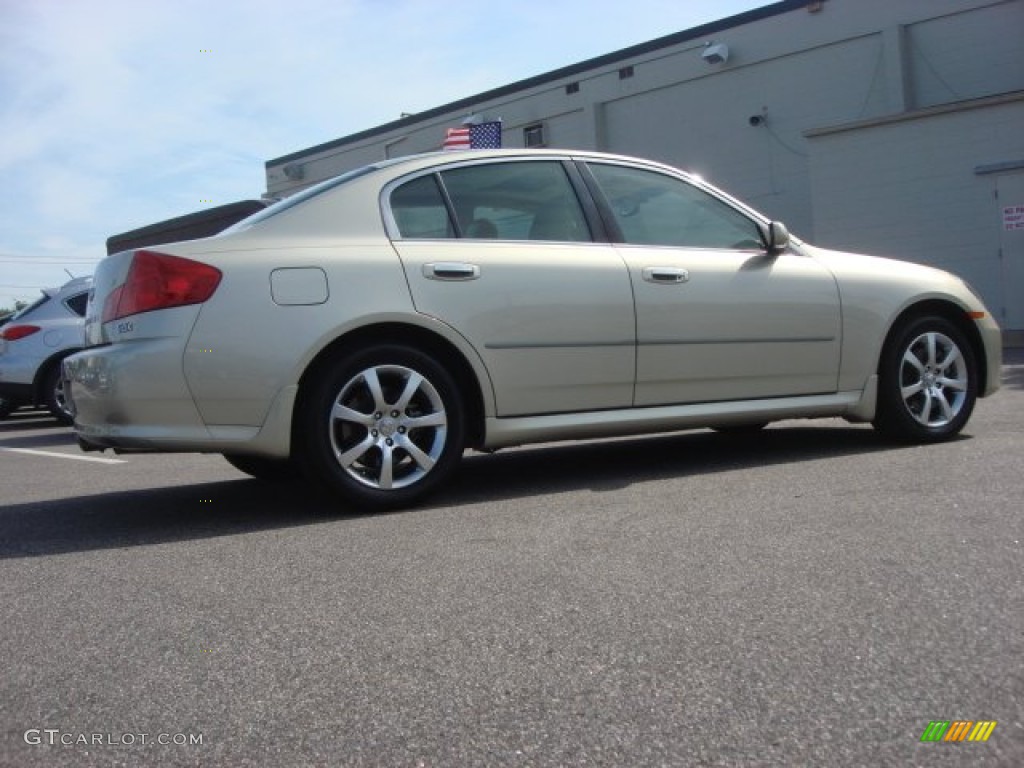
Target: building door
{"points": [[1010, 199]]}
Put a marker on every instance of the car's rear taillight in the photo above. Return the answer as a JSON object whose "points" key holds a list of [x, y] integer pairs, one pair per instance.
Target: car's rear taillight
{"points": [[15, 332], [158, 281]]}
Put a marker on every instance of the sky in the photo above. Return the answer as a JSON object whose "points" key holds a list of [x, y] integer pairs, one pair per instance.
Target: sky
{"points": [[118, 114]]}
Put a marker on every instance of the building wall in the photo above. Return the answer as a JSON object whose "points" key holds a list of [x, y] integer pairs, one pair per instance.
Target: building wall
{"points": [[924, 188], [823, 78]]}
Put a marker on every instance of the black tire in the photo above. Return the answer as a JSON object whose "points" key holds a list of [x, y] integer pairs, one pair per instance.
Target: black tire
{"points": [[6, 408], [390, 443], [264, 468], [927, 382], [53, 395]]}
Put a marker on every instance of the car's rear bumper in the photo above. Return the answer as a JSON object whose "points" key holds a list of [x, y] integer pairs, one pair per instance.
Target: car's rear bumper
{"points": [[131, 388], [134, 398]]}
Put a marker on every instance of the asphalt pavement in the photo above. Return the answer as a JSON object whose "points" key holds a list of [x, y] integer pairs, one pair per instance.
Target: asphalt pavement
{"points": [[807, 596]]}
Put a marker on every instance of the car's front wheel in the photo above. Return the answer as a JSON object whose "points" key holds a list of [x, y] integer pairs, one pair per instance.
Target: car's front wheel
{"points": [[927, 382], [382, 427]]}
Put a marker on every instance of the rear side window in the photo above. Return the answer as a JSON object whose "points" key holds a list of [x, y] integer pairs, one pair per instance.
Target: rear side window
{"points": [[516, 201], [77, 303], [656, 209], [495, 201], [419, 210]]}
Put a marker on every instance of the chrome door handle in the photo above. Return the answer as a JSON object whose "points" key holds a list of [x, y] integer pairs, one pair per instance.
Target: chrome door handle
{"points": [[451, 270], [666, 275]]}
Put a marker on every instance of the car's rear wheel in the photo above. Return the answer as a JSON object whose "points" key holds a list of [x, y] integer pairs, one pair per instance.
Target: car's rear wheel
{"points": [[6, 408], [263, 468], [927, 382], [383, 427], [55, 397]]}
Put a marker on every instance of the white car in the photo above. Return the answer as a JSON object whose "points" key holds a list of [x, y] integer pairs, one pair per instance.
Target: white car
{"points": [[370, 328], [34, 341]]}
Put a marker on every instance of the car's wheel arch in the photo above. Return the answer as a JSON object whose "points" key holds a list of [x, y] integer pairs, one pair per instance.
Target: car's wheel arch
{"points": [[43, 371], [467, 376], [947, 310]]}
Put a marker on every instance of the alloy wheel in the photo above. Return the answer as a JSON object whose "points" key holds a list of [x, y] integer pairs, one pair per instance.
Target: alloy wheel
{"points": [[388, 427], [933, 379]]}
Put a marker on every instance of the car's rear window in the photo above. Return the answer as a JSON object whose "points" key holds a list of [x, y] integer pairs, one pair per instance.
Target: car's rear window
{"points": [[30, 308], [301, 197]]}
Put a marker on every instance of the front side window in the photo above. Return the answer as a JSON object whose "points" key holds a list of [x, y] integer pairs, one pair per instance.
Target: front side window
{"points": [[655, 209]]}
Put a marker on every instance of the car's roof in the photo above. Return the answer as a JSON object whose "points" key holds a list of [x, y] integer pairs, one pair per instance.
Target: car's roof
{"points": [[383, 173], [445, 156], [52, 300], [74, 285], [398, 166], [393, 168]]}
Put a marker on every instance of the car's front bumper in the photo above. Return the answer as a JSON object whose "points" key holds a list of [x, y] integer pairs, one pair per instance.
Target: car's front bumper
{"points": [[992, 339]]}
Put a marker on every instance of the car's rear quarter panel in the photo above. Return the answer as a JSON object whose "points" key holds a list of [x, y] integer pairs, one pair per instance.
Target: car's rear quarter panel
{"points": [[245, 346]]}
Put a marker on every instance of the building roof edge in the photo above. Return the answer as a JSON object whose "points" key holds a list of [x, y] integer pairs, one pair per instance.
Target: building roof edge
{"points": [[737, 20]]}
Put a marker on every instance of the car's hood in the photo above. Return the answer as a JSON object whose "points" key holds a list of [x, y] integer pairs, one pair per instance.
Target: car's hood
{"points": [[844, 262]]}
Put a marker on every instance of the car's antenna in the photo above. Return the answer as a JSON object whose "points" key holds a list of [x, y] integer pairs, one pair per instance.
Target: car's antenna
{"points": [[69, 273]]}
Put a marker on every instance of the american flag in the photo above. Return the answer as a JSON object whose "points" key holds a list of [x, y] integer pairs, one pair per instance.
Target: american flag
{"points": [[482, 136]]}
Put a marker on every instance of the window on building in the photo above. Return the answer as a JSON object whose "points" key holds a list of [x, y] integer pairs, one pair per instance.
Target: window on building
{"points": [[533, 135], [655, 209], [626, 72], [572, 88]]}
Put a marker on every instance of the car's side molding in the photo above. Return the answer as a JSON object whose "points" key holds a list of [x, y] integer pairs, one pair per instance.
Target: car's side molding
{"points": [[854, 405]]}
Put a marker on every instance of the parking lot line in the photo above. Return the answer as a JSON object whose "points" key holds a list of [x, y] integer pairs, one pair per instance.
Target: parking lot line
{"points": [[62, 455]]}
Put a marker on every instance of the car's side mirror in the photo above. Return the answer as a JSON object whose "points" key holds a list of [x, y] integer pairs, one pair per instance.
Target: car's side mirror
{"points": [[778, 237]]}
